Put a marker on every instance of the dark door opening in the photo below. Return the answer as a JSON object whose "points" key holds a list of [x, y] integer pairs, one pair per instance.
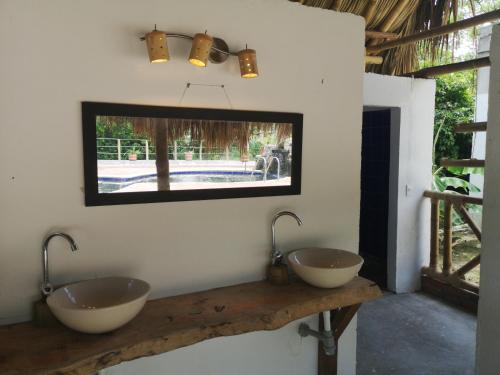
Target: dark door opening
{"points": [[375, 168]]}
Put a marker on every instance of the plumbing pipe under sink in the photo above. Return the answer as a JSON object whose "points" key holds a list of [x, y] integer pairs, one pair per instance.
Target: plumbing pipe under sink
{"points": [[326, 337]]}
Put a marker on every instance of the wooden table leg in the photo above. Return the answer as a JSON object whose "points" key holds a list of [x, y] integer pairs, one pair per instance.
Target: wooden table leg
{"points": [[340, 319]]}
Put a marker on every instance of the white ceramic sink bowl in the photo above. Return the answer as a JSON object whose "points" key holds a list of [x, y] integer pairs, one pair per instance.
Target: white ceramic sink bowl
{"points": [[99, 305], [325, 268]]}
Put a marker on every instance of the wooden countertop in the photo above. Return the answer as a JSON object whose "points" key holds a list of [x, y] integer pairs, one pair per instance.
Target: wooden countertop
{"points": [[170, 323]]}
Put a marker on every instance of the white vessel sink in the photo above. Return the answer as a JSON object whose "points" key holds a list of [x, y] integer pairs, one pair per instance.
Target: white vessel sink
{"points": [[325, 268], [99, 305]]}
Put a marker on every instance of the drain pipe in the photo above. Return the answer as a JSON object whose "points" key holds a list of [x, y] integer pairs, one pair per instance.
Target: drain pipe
{"points": [[326, 337]]}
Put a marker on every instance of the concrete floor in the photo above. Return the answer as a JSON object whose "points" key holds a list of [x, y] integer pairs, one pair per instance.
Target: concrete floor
{"points": [[415, 334]]}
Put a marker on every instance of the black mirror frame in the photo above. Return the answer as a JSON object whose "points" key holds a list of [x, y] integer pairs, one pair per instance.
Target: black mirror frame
{"points": [[92, 109]]}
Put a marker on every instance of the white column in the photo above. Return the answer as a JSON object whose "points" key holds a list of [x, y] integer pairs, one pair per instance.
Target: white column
{"points": [[488, 333], [483, 78]]}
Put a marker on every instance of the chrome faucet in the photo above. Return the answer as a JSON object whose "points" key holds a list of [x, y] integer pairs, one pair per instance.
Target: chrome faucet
{"points": [[276, 255], [46, 285]]}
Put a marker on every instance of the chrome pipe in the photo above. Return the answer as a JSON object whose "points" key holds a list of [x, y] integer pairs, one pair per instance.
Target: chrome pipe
{"points": [[46, 285], [276, 255]]}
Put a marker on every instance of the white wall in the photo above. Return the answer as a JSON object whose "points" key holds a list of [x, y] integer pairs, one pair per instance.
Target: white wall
{"points": [[481, 114], [488, 330], [58, 53], [411, 173]]}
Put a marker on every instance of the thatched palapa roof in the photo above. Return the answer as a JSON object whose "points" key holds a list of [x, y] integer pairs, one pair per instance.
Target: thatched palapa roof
{"points": [[403, 17], [213, 133]]}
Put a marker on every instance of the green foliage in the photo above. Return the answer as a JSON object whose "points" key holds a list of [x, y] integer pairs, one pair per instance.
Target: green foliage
{"points": [[454, 105], [444, 179], [461, 171], [107, 145], [122, 130], [483, 6], [443, 182], [452, 184], [255, 147], [134, 151]]}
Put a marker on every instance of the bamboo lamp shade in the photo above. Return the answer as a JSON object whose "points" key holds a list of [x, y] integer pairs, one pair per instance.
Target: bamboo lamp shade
{"points": [[200, 50], [248, 63], [156, 42]]}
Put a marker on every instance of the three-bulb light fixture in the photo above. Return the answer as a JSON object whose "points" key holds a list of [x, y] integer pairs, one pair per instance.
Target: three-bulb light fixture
{"points": [[204, 48]]}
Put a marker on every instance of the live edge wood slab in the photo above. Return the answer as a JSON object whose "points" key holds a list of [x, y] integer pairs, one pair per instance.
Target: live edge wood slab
{"points": [[170, 323]]}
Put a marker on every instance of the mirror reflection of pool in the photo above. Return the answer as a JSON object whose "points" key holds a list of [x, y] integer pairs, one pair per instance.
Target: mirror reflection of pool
{"points": [[110, 185]]}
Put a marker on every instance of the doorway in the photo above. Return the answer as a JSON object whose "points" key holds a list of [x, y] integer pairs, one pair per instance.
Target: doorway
{"points": [[374, 228]]}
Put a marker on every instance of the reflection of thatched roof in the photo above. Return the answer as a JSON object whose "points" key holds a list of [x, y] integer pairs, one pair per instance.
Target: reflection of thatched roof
{"points": [[403, 17], [213, 133]]}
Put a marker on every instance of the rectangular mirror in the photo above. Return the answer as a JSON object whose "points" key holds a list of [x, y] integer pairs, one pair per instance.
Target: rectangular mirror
{"points": [[141, 154]]}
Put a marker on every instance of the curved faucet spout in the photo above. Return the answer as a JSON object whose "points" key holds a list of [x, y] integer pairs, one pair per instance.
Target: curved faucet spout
{"points": [[46, 285], [276, 255]]}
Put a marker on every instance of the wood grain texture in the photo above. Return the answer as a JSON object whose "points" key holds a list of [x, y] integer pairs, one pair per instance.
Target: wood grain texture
{"points": [[373, 34], [170, 323], [461, 297], [471, 127], [439, 70], [447, 238], [434, 257], [473, 163], [453, 198]]}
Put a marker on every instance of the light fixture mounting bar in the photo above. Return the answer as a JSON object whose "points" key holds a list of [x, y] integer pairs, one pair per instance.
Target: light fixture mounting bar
{"points": [[189, 37]]}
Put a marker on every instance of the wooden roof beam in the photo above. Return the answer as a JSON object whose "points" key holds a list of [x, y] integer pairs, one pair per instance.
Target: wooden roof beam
{"points": [[373, 34], [449, 68], [436, 31]]}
